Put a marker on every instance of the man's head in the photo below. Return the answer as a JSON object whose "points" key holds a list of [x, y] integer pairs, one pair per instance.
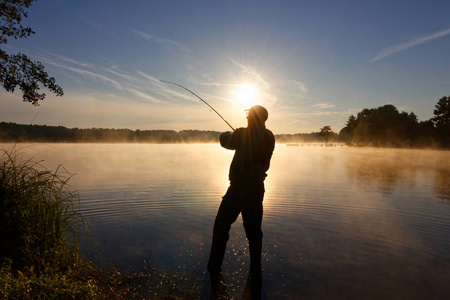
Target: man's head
{"points": [[257, 115]]}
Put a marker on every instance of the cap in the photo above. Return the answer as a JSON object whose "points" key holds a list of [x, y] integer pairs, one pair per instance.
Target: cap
{"points": [[260, 112]]}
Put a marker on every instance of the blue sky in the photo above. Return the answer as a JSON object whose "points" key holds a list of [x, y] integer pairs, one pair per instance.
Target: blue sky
{"points": [[310, 63]]}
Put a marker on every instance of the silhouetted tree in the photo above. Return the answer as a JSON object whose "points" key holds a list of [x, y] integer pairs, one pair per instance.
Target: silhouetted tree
{"points": [[382, 126], [442, 113], [365, 127], [10, 132], [442, 120], [326, 133], [347, 133], [351, 122], [18, 69], [426, 134]]}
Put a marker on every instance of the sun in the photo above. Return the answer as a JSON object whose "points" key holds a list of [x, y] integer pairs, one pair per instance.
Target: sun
{"points": [[245, 95]]}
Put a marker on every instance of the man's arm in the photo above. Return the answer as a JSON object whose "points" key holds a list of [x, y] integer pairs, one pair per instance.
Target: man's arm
{"points": [[226, 140]]}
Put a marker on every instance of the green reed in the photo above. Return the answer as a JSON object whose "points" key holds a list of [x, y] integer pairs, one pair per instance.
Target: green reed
{"points": [[39, 224]]}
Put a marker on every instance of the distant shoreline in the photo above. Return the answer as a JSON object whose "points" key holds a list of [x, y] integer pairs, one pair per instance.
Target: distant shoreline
{"points": [[21, 133]]}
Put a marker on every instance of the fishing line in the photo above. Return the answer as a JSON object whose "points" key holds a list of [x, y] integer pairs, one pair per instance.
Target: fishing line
{"points": [[200, 100], [31, 123]]}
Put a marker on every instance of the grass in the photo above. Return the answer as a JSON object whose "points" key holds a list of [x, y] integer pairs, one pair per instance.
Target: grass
{"points": [[40, 255]]}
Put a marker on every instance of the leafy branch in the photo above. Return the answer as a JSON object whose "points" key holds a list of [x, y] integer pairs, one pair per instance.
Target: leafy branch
{"points": [[18, 69]]}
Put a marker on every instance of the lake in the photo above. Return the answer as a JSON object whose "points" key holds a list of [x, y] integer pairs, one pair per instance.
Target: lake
{"points": [[339, 222]]}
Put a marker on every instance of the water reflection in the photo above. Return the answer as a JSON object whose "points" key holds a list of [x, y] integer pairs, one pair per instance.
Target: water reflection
{"points": [[351, 233], [339, 222], [221, 288], [388, 170], [441, 183], [384, 169]]}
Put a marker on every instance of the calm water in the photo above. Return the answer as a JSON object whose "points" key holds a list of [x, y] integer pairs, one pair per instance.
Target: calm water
{"points": [[339, 223]]}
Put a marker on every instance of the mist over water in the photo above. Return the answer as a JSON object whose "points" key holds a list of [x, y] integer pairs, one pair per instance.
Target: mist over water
{"points": [[353, 223]]}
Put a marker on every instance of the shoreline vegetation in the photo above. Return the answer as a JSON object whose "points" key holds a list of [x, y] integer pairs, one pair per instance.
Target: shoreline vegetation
{"points": [[21, 133], [40, 255], [356, 134], [384, 126]]}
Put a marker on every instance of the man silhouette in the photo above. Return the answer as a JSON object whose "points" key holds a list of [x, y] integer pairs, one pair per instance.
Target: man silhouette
{"points": [[253, 147]]}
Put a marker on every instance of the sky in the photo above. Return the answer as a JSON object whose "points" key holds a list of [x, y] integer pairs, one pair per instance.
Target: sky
{"points": [[310, 63]]}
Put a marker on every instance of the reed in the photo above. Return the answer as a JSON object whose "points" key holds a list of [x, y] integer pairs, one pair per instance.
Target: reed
{"points": [[39, 225]]}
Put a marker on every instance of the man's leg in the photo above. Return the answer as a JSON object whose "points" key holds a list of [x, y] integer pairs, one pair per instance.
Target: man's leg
{"points": [[226, 216], [252, 217]]}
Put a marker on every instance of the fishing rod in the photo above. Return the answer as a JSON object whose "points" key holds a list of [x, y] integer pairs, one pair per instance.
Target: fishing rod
{"points": [[200, 100]]}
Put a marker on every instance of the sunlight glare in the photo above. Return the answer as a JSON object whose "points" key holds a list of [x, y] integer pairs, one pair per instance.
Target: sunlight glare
{"points": [[245, 95]]}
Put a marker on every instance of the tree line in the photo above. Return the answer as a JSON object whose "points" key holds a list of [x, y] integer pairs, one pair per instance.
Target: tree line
{"points": [[20, 133], [385, 126]]}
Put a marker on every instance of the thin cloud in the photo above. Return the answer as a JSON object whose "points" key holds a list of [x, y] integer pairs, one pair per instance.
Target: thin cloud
{"points": [[149, 77], [81, 68], [323, 105], [87, 73], [144, 96], [139, 84], [159, 40], [163, 89], [70, 60], [320, 113], [96, 73], [124, 76], [299, 85], [252, 72], [404, 46]]}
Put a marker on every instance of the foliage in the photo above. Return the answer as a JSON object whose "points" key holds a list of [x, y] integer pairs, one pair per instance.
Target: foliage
{"points": [[49, 285], [18, 133], [10, 132], [39, 225], [326, 133], [12, 12], [18, 69], [86, 282], [382, 126], [442, 114], [385, 126], [441, 121]]}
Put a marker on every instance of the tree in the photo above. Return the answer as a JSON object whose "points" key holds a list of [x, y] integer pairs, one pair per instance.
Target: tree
{"points": [[347, 133], [326, 133], [382, 126], [351, 122], [442, 121], [18, 69], [442, 113]]}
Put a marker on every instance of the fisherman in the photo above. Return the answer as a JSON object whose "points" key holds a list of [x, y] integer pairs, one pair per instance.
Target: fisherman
{"points": [[253, 147]]}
